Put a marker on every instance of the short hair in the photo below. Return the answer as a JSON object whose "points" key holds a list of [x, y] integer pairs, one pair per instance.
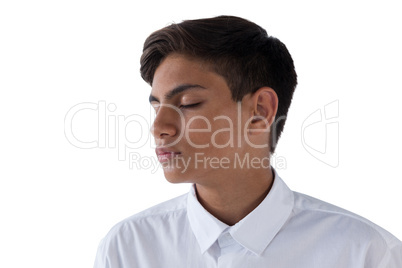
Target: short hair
{"points": [[235, 48]]}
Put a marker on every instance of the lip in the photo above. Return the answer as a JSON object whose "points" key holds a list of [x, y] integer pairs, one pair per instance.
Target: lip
{"points": [[165, 154]]}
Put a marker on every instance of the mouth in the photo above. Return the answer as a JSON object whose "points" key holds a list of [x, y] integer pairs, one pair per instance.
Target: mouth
{"points": [[165, 154]]}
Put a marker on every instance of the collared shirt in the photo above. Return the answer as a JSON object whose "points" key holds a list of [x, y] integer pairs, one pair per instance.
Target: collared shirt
{"points": [[287, 229]]}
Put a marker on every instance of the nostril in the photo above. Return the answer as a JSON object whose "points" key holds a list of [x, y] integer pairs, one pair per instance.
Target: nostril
{"points": [[160, 129]]}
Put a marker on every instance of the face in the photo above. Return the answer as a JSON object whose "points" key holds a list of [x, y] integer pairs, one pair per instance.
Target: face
{"points": [[197, 128]]}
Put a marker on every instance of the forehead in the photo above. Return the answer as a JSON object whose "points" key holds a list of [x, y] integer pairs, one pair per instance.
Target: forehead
{"points": [[176, 70], [177, 67]]}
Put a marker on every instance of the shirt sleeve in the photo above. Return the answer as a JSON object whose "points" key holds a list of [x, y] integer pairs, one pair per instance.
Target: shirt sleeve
{"points": [[101, 259], [114, 250], [393, 257]]}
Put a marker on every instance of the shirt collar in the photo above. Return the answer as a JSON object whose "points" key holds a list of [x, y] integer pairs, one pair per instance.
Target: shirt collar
{"points": [[255, 231], [205, 226]]}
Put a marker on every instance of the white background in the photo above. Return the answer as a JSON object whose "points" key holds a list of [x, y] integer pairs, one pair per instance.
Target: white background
{"points": [[57, 201]]}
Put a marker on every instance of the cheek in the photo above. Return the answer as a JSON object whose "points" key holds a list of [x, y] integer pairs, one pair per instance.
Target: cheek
{"points": [[215, 131], [198, 139], [223, 137], [198, 132], [226, 132]]}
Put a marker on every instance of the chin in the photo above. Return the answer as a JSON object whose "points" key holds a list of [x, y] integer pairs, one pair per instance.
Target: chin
{"points": [[176, 176]]}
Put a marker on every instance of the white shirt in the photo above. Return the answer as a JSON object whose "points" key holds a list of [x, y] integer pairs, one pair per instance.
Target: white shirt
{"points": [[287, 229]]}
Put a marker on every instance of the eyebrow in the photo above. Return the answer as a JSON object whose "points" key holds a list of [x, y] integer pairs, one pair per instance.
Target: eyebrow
{"points": [[177, 90]]}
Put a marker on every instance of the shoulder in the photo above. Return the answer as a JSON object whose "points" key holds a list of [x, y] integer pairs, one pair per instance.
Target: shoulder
{"points": [[162, 215], [342, 226], [307, 205], [175, 205], [126, 244]]}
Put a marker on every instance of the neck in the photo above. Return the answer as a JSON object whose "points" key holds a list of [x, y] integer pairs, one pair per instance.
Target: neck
{"points": [[236, 197]]}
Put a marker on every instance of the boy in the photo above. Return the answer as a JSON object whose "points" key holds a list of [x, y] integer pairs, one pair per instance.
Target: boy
{"points": [[221, 89]]}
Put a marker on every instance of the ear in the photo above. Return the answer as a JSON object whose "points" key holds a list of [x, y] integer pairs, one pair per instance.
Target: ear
{"points": [[265, 105]]}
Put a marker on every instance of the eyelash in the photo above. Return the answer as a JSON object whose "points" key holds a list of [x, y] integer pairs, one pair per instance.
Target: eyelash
{"points": [[189, 105]]}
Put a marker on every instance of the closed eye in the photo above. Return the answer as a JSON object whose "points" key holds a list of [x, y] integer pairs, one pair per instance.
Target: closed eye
{"points": [[189, 105]]}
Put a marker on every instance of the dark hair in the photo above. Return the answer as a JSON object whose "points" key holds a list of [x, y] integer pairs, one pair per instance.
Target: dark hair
{"points": [[235, 48]]}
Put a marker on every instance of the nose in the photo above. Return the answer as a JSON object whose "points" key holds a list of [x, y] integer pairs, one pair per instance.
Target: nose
{"points": [[166, 123]]}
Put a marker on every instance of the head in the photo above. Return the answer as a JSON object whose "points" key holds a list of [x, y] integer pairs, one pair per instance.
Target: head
{"points": [[245, 69]]}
